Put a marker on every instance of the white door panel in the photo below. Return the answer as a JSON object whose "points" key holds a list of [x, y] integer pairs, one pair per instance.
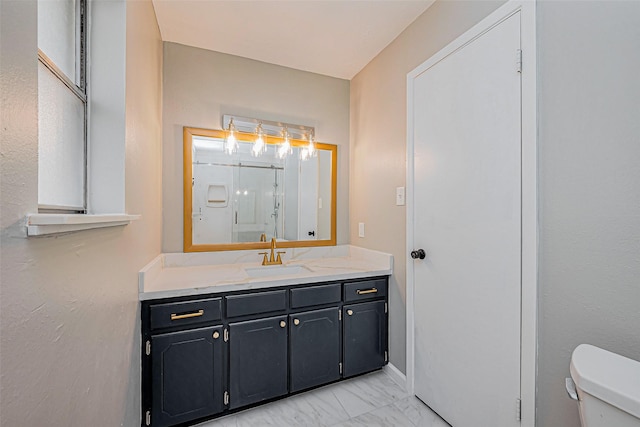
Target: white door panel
{"points": [[467, 217], [308, 197]]}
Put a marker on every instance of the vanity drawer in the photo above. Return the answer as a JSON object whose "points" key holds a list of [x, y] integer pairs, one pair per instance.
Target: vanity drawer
{"points": [[256, 303], [315, 295], [366, 289], [185, 313]]}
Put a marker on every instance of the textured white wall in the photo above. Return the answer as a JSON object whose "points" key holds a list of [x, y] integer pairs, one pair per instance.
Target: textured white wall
{"points": [[200, 86], [378, 143], [69, 324], [589, 189]]}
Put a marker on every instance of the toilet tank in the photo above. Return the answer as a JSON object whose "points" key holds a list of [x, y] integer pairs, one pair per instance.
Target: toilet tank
{"points": [[608, 387]]}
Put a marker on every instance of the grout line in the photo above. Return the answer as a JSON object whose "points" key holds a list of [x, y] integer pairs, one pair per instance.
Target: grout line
{"points": [[341, 405]]}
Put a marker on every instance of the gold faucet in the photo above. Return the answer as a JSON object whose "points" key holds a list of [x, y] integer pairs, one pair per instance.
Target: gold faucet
{"points": [[263, 237], [272, 260]]}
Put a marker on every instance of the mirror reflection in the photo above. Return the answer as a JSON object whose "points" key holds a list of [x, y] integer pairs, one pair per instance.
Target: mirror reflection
{"points": [[239, 198]]}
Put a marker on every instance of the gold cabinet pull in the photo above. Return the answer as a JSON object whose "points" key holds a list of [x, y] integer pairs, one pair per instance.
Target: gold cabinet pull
{"points": [[186, 316], [366, 291], [350, 312], [283, 323], [216, 335], [296, 322]]}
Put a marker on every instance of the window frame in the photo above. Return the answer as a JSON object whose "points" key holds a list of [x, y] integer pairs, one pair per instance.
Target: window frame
{"points": [[78, 86], [105, 153]]}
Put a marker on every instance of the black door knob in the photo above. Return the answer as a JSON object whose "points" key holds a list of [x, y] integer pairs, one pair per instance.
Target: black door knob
{"points": [[419, 254]]}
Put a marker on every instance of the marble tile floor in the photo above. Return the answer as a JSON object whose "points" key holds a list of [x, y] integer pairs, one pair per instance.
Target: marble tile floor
{"points": [[372, 400]]}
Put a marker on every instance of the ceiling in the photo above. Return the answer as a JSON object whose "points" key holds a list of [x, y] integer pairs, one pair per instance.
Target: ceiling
{"points": [[331, 37]]}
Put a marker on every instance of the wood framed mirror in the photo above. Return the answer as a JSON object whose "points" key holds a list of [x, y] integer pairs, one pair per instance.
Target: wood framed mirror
{"points": [[240, 201]]}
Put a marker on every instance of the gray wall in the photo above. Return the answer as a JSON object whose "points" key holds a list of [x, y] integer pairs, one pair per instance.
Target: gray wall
{"points": [[201, 85], [378, 142], [589, 189], [589, 152], [69, 324]]}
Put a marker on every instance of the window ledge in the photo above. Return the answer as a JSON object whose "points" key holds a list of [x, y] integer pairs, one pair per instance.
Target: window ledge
{"points": [[43, 224]]}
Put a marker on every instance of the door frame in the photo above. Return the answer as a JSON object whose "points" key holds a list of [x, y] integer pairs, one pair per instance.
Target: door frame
{"points": [[529, 205]]}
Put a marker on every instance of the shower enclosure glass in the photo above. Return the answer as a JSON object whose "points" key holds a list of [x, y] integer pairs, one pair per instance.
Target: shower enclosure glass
{"points": [[257, 201], [237, 198]]}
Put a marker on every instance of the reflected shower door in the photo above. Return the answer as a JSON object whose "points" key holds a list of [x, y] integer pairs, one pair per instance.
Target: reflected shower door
{"points": [[258, 203]]}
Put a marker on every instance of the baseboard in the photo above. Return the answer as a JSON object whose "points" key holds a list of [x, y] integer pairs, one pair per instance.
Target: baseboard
{"points": [[397, 376]]}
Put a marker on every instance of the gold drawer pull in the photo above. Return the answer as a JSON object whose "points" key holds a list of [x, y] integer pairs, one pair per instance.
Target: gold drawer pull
{"points": [[186, 316], [367, 291]]}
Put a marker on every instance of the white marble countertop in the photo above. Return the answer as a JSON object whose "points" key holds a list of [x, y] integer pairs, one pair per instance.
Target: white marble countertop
{"points": [[182, 274]]}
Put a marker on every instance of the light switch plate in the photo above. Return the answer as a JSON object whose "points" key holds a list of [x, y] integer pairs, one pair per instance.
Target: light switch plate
{"points": [[361, 229], [400, 196]]}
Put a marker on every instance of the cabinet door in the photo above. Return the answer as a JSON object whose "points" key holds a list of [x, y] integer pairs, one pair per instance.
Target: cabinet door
{"points": [[365, 337], [314, 341], [187, 375], [258, 360]]}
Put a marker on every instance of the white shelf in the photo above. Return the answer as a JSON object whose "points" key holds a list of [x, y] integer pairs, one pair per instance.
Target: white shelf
{"points": [[43, 224]]}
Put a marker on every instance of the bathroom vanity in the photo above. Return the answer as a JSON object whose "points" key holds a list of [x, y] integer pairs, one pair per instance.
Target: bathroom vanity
{"points": [[215, 343]]}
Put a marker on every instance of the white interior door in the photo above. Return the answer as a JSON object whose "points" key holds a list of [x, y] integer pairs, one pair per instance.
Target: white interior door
{"points": [[466, 119], [308, 200]]}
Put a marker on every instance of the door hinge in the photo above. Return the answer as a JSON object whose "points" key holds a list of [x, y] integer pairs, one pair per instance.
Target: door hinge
{"points": [[519, 60], [148, 348], [518, 410], [147, 417], [340, 367], [339, 314], [226, 335], [226, 397], [386, 356], [386, 308]]}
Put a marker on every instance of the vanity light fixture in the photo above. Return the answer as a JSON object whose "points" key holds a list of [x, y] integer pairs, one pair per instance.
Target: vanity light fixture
{"points": [[259, 146], [264, 128], [230, 142]]}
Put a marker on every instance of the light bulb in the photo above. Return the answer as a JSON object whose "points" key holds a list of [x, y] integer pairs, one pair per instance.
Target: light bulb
{"points": [[230, 142], [311, 147], [231, 145], [259, 146], [285, 148]]}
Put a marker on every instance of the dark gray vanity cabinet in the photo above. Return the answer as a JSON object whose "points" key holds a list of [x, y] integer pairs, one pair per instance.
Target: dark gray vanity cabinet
{"points": [[365, 337], [187, 370], [315, 344], [204, 356], [258, 360], [365, 326]]}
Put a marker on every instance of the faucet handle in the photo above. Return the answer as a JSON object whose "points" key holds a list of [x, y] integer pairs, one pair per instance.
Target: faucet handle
{"points": [[279, 260], [265, 260]]}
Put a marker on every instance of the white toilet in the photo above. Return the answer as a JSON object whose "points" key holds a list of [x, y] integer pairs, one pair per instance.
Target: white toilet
{"points": [[606, 386]]}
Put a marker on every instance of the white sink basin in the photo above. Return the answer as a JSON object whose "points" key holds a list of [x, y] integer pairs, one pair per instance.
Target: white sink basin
{"points": [[276, 270]]}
